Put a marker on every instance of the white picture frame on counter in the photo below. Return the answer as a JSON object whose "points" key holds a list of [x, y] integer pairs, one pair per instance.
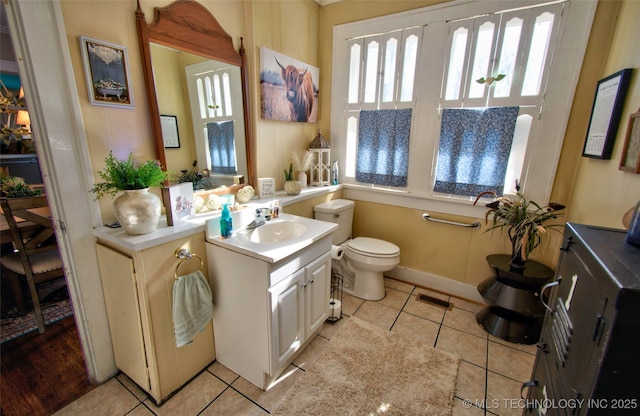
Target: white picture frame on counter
{"points": [[178, 202], [266, 187]]}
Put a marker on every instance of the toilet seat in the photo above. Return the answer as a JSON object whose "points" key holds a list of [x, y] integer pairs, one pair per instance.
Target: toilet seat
{"points": [[372, 247]]}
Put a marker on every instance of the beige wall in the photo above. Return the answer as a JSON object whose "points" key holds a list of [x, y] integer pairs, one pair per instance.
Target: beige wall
{"points": [[601, 193], [595, 191], [287, 27]]}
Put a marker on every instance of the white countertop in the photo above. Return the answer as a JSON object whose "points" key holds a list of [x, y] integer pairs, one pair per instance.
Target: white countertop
{"points": [[196, 224]]}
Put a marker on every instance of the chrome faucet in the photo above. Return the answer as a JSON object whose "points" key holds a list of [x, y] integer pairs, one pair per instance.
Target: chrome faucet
{"points": [[262, 215]]}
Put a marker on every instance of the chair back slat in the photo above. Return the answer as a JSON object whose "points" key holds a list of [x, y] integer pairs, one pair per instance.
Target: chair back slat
{"points": [[26, 239]]}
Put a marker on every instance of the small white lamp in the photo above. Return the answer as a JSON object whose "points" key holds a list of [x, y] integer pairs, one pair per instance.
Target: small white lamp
{"points": [[320, 150]]}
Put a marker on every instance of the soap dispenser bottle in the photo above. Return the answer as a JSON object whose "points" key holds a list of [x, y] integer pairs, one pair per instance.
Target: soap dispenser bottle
{"points": [[226, 222]]}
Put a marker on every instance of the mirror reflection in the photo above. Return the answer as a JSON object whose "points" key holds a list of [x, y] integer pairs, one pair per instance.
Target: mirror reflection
{"points": [[205, 96]]}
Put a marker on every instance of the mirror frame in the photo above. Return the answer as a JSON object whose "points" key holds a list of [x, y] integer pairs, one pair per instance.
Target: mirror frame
{"points": [[190, 27]]}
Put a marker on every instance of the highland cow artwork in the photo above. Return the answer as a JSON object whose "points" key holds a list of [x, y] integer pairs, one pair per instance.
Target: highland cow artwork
{"points": [[288, 88]]}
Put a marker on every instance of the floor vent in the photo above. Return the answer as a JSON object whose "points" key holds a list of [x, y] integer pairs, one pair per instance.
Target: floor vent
{"points": [[435, 301]]}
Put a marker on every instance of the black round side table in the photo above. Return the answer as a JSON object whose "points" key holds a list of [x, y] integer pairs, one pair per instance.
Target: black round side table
{"points": [[514, 312]]}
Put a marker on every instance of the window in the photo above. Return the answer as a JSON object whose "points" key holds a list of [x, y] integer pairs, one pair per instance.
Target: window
{"points": [[432, 59], [214, 116]]}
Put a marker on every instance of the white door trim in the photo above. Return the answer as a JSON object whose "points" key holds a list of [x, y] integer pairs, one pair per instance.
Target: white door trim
{"points": [[40, 42]]}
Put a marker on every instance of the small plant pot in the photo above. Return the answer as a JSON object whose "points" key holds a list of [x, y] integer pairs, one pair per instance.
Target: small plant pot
{"points": [[292, 187]]}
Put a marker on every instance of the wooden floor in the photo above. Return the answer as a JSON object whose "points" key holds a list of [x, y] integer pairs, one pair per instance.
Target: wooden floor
{"points": [[42, 373]]}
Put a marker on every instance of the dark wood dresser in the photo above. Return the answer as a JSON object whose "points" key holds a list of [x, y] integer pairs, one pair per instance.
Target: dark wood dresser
{"points": [[588, 360]]}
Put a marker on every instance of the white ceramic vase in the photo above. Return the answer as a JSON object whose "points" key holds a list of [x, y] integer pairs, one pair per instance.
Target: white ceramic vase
{"points": [[302, 177], [137, 211]]}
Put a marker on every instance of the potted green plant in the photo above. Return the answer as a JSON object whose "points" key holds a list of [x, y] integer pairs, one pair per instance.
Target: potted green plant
{"points": [[524, 222], [291, 186], [136, 209]]}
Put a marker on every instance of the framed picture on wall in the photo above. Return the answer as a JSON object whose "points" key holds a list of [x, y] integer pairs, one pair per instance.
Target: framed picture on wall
{"points": [[170, 134], [605, 114], [106, 70], [630, 160], [288, 88]]}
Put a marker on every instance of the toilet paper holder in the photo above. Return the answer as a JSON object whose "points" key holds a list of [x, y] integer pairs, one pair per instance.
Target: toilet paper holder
{"points": [[335, 297]]}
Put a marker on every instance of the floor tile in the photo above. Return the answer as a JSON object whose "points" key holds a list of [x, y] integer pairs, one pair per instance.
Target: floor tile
{"points": [[470, 347], [222, 372], [192, 398], [397, 285], [490, 373], [131, 386], [350, 304], [377, 314], [107, 399], [464, 321], [394, 298], [329, 329], [311, 352], [424, 310], [233, 403], [140, 410], [510, 362], [414, 326], [466, 305], [503, 395], [471, 383], [463, 408], [268, 399], [530, 348]]}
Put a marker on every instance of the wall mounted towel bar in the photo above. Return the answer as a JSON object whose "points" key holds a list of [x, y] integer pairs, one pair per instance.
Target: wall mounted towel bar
{"points": [[474, 224], [184, 254]]}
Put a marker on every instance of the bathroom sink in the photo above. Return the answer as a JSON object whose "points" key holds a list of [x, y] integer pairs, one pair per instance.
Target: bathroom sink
{"points": [[274, 240], [274, 232]]}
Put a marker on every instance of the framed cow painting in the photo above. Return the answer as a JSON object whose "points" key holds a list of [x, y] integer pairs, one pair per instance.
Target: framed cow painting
{"points": [[288, 88]]}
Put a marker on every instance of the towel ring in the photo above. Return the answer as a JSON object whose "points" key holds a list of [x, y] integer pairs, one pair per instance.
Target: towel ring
{"points": [[184, 254]]}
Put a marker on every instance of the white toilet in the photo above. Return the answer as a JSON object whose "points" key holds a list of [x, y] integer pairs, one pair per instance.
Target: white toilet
{"points": [[365, 259]]}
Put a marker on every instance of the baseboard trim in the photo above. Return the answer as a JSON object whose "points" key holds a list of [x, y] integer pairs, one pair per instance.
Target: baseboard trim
{"points": [[438, 283]]}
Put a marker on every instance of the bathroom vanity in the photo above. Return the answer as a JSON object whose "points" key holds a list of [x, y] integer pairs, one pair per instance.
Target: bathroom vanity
{"points": [[137, 279], [293, 274], [271, 292]]}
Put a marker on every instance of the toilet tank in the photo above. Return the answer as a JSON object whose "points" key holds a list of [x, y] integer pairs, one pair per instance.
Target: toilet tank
{"points": [[338, 211]]}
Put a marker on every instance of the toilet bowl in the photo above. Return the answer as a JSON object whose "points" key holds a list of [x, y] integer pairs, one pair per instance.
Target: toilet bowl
{"points": [[369, 258], [365, 259]]}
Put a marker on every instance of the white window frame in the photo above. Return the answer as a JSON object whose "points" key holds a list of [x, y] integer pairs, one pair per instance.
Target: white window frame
{"points": [[542, 156]]}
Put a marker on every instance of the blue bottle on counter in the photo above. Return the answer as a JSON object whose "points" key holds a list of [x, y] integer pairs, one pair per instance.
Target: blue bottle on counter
{"points": [[334, 173], [226, 222]]}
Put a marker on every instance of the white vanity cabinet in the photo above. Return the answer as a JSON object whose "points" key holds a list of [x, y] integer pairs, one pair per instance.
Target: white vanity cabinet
{"points": [[138, 290], [266, 312]]}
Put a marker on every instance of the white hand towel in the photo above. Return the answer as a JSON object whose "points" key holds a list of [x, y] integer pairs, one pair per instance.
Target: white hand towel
{"points": [[192, 306]]}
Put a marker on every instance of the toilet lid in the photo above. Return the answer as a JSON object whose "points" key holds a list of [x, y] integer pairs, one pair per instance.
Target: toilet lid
{"points": [[373, 246]]}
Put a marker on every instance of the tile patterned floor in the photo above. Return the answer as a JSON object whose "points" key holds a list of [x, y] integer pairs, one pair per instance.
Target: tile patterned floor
{"points": [[489, 378]]}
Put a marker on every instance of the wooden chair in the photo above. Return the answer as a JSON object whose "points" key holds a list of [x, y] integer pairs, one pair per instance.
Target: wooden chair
{"points": [[36, 257]]}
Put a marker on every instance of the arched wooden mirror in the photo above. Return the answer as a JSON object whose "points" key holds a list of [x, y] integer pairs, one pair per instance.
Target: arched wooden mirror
{"points": [[198, 93]]}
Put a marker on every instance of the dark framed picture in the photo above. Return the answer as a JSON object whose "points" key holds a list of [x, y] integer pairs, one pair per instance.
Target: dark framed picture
{"points": [[630, 160], [106, 69], [605, 114], [170, 135]]}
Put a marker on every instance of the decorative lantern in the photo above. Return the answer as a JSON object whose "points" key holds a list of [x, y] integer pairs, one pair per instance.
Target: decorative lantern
{"points": [[320, 150]]}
